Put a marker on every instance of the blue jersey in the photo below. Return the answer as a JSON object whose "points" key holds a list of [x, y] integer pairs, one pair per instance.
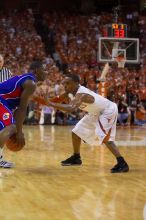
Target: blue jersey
{"points": [[11, 90]]}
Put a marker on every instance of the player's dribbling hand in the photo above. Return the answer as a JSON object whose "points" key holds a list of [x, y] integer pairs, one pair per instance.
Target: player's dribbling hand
{"points": [[20, 139]]}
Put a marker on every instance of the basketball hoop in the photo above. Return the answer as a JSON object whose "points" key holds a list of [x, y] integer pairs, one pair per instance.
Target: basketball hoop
{"points": [[120, 61]]}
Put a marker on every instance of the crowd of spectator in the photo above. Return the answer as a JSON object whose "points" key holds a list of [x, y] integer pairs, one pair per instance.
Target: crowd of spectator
{"points": [[72, 46], [19, 42]]}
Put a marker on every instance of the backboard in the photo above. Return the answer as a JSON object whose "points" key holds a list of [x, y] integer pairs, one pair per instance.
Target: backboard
{"points": [[109, 48]]}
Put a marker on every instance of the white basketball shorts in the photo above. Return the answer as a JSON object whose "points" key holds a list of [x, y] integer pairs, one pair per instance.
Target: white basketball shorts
{"points": [[95, 129]]}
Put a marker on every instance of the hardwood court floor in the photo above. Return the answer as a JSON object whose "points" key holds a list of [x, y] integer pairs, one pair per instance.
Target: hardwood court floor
{"points": [[40, 189]]}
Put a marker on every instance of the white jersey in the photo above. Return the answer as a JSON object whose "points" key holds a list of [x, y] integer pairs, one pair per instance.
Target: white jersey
{"points": [[100, 122], [100, 104]]}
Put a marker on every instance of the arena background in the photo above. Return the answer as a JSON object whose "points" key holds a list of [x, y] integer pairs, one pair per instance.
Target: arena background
{"points": [[64, 35], [39, 30]]}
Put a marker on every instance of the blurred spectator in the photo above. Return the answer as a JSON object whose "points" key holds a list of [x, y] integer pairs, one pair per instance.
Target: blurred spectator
{"points": [[19, 40], [47, 114], [123, 111], [140, 118], [72, 41], [133, 101]]}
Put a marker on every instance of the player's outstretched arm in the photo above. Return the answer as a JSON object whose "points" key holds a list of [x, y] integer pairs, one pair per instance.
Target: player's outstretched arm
{"points": [[28, 89], [74, 104], [43, 100]]}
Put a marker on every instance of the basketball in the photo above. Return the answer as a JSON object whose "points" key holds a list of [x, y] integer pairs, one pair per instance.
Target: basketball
{"points": [[12, 144]]}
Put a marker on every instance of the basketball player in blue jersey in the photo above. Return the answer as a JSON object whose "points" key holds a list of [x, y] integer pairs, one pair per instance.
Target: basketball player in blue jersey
{"points": [[14, 99]]}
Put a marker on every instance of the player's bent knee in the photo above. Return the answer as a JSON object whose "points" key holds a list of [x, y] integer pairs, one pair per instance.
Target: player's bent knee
{"points": [[75, 135], [109, 143]]}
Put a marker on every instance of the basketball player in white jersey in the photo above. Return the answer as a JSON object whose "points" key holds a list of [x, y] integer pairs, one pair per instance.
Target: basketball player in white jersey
{"points": [[97, 126]]}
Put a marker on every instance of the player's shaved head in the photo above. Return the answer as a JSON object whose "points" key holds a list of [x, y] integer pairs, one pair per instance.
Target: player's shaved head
{"points": [[73, 77], [36, 65], [71, 83], [37, 68]]}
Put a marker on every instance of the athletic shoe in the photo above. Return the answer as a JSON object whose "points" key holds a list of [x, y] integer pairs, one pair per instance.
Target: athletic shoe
{"points": [[6, 164], [120, 168], [74, 160]]}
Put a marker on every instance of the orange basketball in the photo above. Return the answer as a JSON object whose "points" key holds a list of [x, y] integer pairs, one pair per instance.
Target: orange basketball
{"points": [[12, 144]]}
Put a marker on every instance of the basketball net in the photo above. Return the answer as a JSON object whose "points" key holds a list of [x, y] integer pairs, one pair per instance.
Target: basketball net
{"points": [[120, 61]]}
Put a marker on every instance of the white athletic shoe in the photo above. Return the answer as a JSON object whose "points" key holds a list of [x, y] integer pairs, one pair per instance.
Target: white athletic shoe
{"points": [[6, 164]]}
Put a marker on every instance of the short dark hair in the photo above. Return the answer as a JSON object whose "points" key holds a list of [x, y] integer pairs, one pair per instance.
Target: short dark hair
{"points": [[73, 77], [35, 65]]}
